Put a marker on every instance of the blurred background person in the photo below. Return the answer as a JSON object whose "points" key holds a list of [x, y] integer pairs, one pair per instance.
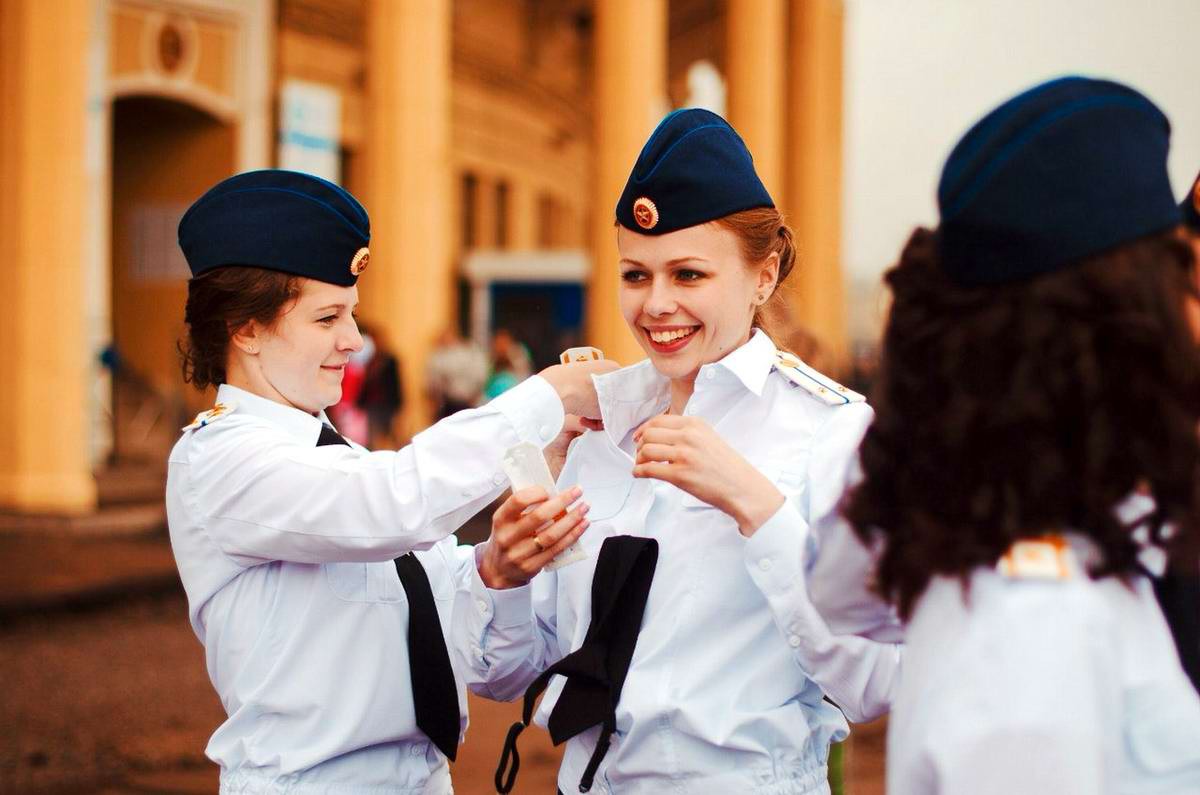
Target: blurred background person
{"points": [[507, 348], [348, 414], [455, 374], [503, 376], [381, 396]]}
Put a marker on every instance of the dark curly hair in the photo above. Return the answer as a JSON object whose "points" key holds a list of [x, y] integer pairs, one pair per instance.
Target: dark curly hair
{"points": [[219, 303], [1013, 411]]}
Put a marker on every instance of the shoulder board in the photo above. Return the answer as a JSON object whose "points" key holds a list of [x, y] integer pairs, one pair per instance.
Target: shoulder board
{"points": [[1046, 558], [212, 415], [820, 386]]}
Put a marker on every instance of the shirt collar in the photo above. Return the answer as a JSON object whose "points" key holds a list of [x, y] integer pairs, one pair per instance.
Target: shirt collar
{"points": [[752, 362], [635, 393], [296, 422]]}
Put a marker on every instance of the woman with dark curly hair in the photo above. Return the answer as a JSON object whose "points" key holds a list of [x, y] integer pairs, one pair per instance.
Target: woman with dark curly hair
{"points": [[1036, 431]]}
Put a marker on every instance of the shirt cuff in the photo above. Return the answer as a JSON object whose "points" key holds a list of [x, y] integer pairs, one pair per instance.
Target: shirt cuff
{"points": [[500, 608], [534, 409], [774, 554]]}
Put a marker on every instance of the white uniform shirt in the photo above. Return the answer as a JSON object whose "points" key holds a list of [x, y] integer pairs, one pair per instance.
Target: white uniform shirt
{"points": [[285, 550], [724, 693], [1042, 687], [1038, 687]]}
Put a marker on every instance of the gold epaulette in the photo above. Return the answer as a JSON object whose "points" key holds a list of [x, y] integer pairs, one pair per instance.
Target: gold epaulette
{"points": [[1045, 558], [820, 386], [212, 415]]}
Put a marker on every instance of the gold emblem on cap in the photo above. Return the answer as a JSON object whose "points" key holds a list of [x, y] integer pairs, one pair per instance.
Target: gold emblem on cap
{"points": [[362, 258], [645, 213]]}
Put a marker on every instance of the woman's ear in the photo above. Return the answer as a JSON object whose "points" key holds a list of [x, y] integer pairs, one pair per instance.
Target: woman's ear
{"points": [[768, 275], [246, 339]]}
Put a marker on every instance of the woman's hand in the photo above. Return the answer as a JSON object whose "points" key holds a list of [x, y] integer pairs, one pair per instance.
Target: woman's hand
{"points": [[556, 451], [573, 383], [525, 538], [686, 452]]}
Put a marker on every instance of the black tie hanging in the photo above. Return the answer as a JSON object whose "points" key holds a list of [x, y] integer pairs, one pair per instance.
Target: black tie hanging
{"points": [[435, 693], [596, 671]]}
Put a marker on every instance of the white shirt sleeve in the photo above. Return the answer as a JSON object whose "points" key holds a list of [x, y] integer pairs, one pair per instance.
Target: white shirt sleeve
{"points": [[503, 639], [859, 675], [840, 568], [265, 497]]}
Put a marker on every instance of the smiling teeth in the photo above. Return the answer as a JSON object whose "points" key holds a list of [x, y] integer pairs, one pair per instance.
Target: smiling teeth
{"points": [[670, 336]]}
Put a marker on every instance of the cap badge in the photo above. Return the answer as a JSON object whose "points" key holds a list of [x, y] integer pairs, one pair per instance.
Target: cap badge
{"points": [[362, 258], [1196, 196], [645, 213]]}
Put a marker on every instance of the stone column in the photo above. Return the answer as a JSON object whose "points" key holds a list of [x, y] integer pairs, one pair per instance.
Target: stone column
{"points": [[814, 192], [409, 288], [756, 61], [44, 352], [630, 82]]}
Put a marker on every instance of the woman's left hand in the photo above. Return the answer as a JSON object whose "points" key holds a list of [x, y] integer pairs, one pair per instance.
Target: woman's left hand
{"points": [[687, 453]]}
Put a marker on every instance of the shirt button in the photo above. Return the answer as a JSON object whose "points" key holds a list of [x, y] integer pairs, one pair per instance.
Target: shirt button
{"points": [[482, 605], [498, 478], [477, 653], [793, 640], [765, 564], [466, 493], [418, 749], [710, 374]]}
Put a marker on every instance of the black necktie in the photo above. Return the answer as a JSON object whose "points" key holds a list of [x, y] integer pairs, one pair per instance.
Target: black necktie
{"points": [[435, 693], [596, 671], [330, 436]]}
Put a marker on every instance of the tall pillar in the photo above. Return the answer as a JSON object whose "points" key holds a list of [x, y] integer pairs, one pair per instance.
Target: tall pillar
{"points": [[409, 288], [630, 80], [756, 62], [44, 353], [814, 191]]}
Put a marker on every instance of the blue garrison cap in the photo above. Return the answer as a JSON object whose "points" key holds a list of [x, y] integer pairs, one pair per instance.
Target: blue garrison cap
{"points": [[1067, 169], [282, 220], [694, 168], [1190, 207]]}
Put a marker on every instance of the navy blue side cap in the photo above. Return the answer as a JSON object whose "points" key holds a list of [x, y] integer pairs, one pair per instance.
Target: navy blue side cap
{"points": [[1070, 168], [1190, 207], [694, 168], [281, 220]]}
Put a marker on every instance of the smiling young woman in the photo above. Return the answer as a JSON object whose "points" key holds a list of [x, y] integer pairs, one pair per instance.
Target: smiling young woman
{"points": [[320, 576], [689, 623]]}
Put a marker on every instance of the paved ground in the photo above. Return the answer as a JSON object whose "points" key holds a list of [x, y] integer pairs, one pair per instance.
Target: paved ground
{"points": [[117, 701], [104, 688]]}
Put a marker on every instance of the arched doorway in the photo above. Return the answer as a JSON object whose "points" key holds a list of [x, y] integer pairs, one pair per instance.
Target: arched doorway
{"points": [[164, 155]]}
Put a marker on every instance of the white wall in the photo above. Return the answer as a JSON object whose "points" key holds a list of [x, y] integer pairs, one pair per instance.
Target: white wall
{"points": [[920, 72]]}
